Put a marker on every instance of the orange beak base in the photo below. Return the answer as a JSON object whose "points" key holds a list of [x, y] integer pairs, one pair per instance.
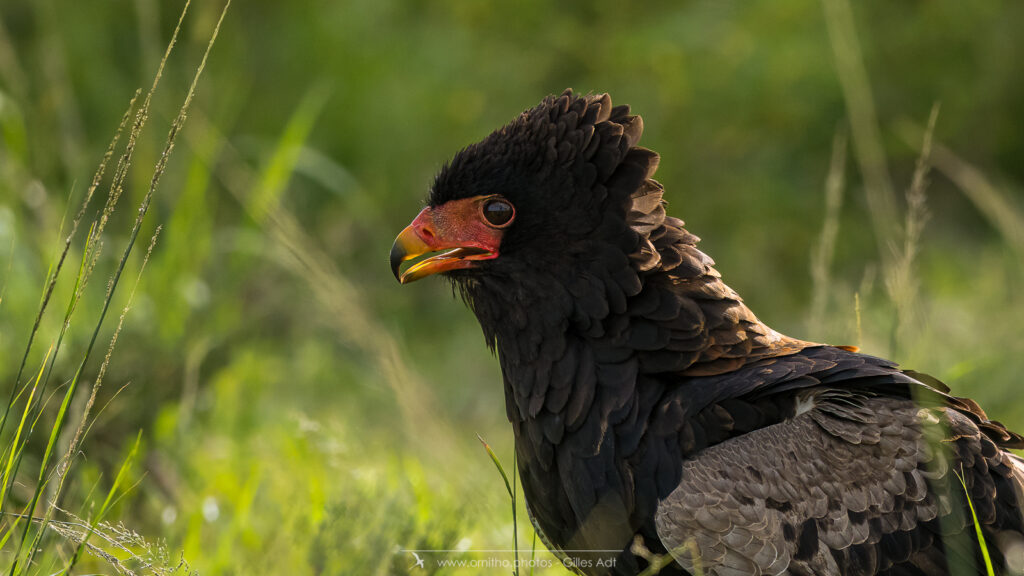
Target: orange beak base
{"points": [[455, 228]]}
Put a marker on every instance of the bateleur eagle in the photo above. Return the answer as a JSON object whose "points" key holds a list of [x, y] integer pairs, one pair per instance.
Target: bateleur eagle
{"points": [[655, 415]]}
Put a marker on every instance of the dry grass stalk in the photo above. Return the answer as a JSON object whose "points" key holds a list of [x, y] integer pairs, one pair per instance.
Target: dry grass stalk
{"points": [[142, 211], [821, 257], [126, 551], [994, 204], [901, 280], [867, 139]]}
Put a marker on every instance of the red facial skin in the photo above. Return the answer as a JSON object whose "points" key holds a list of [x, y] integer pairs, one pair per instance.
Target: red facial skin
{"points": [[458, 226]]}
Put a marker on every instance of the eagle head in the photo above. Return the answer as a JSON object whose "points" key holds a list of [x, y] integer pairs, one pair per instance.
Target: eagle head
{"points": [[559, 188]]}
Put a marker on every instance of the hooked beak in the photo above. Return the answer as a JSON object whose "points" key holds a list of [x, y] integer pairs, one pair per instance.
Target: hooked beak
{"points": [[441, 229]]}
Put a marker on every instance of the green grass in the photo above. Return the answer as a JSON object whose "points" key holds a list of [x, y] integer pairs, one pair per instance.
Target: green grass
{"points": [[36, 530], [299, 412], [979, 534]]}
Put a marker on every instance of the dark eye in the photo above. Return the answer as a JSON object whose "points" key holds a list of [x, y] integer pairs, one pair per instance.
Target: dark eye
{"points": [[498, 212]]}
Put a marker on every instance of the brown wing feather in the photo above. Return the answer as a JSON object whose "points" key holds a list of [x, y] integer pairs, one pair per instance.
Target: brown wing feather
{"points": [[852, 486]]}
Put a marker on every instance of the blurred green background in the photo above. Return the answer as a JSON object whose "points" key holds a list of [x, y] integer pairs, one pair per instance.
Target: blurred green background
{"points": [[303, 414]]}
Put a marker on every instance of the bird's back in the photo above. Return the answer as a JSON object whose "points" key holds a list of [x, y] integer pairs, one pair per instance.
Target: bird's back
{"points": [[824, 461]]}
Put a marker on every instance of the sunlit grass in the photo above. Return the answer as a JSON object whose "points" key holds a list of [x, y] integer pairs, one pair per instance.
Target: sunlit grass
{"points": [[978, 532], [35, 528]]}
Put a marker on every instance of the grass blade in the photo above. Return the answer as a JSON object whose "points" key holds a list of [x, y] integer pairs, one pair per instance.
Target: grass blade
{"points": [[989, 569], [510, 488], [17, 444], [497, 464]]}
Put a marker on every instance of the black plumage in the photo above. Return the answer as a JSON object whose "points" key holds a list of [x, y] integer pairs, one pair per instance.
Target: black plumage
{"points": [[655, 414]]}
